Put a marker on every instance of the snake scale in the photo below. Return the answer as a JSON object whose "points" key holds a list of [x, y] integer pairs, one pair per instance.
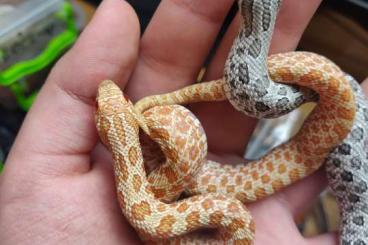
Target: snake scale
{"points": [[150, 188]]}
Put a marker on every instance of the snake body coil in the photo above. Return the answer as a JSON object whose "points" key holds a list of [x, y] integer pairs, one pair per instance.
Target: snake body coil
{"points": [[247, 83], [217, 191]]}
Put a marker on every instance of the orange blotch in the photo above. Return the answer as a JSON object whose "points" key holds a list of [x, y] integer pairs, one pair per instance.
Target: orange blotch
{"points": [[277, 156], [233, 207], [340, 131], [270, 166], [183, 127], [348, 114], [216, 218], [244, 241], [137, 183], [241, 196], [230, 189], [223, 181], [220, 198], [347, 95], [298, 159], [166, 224], [176, 189], [238, 180], [287, 156], [165, 110], [282, 168], [260, 192], [121, 170], [133, 155], [248, 185], [180, 142], [333, 85], [141, 210], [193, 220], [182, 207], [158, 192], [294, 175], [244, 170], [170, 174], [207, 204], [161, 207], [121, 199], [235, 225], [194, 152], [205, 180], [160, 133], [277, 185], [184, 167], [255, 175], [285, 74], [172, 155], [265, 179], [211, 188], [195, 198]]}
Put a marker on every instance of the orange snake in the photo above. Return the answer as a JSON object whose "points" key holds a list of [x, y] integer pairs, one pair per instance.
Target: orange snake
{"points": [[216, 192]]}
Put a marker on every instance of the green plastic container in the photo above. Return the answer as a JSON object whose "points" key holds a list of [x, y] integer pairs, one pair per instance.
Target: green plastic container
{"points": [[33, 34]]}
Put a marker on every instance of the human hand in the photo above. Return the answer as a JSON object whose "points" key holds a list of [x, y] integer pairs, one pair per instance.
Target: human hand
{"points": [[58, 187]]}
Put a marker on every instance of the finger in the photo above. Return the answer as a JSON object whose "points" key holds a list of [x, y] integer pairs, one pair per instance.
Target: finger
{"points": [[299, 197], [291, 22], [59, 132], [208, 113], [175, 45], [365, 86], [324, 239], [102, 159]]}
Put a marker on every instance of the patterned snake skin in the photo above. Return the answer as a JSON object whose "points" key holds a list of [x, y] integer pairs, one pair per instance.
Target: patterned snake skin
{"points": [[347, 171], [248, 85], [250, 89], [252, 92]]}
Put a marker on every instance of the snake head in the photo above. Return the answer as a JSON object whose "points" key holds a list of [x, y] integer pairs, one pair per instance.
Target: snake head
{"points": [[110, 103]]}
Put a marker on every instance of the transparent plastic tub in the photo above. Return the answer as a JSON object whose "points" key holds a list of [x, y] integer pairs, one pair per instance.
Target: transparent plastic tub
{"points": [[33, 34]]}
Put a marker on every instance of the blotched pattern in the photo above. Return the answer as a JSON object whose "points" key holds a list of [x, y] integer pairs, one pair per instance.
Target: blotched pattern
{"points": [[248, 83], [347, 171], [154, 220], [216, 191], [251, 90]]}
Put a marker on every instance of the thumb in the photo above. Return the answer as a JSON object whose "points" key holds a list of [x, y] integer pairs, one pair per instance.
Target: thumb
{"points": [[59, 132]]}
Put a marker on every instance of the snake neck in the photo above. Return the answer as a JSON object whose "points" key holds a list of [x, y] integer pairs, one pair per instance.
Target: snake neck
{"points": [[247, 59], [248, 86]]}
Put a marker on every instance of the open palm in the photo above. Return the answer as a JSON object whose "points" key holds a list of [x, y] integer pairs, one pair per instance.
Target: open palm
{"points": [[58, 187]]}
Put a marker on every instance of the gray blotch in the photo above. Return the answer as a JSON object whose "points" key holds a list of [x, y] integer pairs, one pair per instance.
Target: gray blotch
{"points": [[243, 73], [282, 91], [283, 102], [255, 48], [246, 10], [266, 16], [260, 106]]}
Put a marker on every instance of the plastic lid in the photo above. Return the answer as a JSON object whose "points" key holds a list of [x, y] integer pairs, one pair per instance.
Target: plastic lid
{"points": [[21, 14]]}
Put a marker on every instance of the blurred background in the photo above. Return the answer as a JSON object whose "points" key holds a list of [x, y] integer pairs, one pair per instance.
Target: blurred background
{"points": [[35, 33]]}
